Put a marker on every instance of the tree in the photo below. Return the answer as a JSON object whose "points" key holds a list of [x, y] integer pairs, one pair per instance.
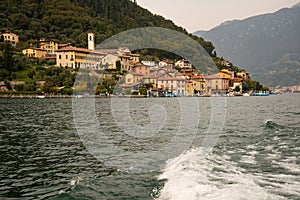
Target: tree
{"points": [[237, 89], [7, 60], [143, 91], [107, 85], [118, 66], [31, 74]]}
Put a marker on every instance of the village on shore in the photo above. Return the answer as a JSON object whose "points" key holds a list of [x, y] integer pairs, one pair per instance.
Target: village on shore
{"points": [[137, 77]]}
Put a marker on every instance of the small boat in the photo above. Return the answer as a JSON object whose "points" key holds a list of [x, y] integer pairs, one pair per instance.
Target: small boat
{"points": [[261, 94], [41, 96]]}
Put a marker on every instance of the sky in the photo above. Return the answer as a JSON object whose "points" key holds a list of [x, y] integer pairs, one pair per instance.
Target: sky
{"points": [[194, 15]]}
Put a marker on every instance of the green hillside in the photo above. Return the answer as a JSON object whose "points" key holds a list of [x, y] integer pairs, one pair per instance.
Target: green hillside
{"points": [[68, 21]]}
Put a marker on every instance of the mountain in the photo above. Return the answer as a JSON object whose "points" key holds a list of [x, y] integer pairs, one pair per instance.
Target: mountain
{"points": [[200, 33], [68, 21], [268, 46]]}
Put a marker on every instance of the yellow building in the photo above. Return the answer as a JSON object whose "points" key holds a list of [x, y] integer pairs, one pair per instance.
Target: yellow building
{"points": [[49, 46], [12, 38], [34, 52], [196, 86], [226, 73], [73, 57], [47, 49]]}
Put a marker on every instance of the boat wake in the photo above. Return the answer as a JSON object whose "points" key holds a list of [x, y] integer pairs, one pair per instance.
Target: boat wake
{"points": [[192, 176], [272, 125]]}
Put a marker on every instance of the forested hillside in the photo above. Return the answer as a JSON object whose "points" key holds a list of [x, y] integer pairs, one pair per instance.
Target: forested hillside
{"points": [[68, 21]]}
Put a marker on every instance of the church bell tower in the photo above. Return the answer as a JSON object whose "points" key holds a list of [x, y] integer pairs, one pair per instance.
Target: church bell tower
{"points": [[91, 41]]}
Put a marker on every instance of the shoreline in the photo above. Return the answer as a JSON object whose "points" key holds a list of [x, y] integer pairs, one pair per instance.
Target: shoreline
{"points": [[30, 96]]}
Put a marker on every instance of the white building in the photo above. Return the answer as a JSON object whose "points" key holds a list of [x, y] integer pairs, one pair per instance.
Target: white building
{"points": [[183, 64], [173, 84]]}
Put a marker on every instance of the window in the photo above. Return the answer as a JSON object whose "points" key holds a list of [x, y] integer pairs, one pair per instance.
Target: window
{"points": [[66, 56], [59, 57]]}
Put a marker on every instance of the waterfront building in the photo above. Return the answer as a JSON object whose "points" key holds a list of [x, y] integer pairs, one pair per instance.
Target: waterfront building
{"points": [[216, 84], [151, 79], [234, 83], [175, 84], [196, 86]]}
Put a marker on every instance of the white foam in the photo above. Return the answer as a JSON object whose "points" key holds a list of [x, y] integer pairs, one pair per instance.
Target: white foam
{"points": [[191, 176], [75, 181]]}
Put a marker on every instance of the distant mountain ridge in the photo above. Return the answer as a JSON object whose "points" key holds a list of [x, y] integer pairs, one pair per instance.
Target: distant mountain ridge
{"points": [[268, 45]]}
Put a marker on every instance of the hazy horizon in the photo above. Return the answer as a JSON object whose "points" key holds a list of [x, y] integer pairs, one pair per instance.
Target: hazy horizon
{"points": [[194, 15]]}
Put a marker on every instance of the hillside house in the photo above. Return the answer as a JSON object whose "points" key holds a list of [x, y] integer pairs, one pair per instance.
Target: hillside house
{"points": [[11, 37]]}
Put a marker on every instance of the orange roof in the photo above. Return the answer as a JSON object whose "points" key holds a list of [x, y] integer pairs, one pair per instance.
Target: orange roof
{"points": [[214, 76], [197, 77], [237, 80], [70, 48], [49, 57], [83, 50], [63, 45], [135, 54]]}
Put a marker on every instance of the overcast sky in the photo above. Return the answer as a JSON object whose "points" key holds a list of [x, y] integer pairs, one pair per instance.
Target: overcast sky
{"points": [[196, 15]]}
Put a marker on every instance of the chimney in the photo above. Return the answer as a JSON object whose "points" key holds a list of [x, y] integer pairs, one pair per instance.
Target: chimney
{"points": [[91, 41]]}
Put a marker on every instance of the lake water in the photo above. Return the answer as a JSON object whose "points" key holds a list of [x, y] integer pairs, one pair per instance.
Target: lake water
{"points": [[256, 156]]}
